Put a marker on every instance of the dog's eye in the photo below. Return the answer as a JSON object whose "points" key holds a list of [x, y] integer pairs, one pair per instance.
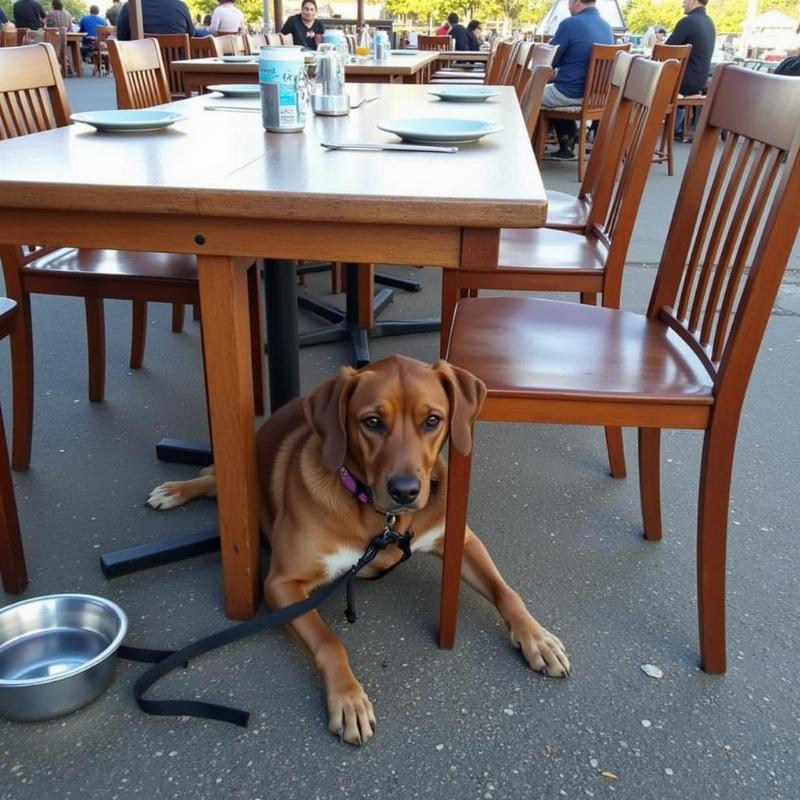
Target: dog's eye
{"points": [[432, 421], [372, 422]]}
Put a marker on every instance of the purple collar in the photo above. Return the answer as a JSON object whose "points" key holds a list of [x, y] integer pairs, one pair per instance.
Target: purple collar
{"points": [[359, 490]]}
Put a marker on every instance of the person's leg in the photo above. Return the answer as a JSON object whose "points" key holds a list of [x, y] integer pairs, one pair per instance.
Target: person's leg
{"points": [[566, 130], [680, 113]]}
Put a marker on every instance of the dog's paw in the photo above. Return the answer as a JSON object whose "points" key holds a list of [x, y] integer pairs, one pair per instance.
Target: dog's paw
{"points": [[166, 496], [543, 651], [350, 715]]}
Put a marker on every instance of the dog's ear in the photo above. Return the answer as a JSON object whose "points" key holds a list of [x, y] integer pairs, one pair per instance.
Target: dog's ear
{"points": [[466, 394], [326, 412]]}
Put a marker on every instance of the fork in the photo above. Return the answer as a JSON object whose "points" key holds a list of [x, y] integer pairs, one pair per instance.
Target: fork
{"points": [[361, 102]]}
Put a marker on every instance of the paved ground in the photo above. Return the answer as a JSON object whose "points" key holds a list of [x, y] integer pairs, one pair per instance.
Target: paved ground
{"points": [[471, 723]]}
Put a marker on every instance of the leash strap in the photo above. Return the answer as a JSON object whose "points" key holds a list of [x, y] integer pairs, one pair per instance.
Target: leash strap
{"points": [[165, 661]]}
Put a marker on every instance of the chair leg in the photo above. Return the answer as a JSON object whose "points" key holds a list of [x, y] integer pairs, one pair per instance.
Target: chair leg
{"points": [[22, 385], [616, 452], [177, 317], [196, 312], [669, 133], [450, 294], [454, 535], [256, 339], [138, 333], [338, 277], [12, 558], [712, 532], [96, 338], [589, 298], [581, 150], [650, 481]]}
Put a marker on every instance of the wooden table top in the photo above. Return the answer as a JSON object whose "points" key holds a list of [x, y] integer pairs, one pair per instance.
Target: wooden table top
{"points": [[392, 65], [223, 163]]}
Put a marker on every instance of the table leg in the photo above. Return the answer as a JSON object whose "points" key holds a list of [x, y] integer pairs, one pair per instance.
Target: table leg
{"points": [[226, 351], [280, 279], [77, 61]]}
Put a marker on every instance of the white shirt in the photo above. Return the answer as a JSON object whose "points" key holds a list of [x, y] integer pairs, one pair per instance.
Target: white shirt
{"points": [[227, 18]]}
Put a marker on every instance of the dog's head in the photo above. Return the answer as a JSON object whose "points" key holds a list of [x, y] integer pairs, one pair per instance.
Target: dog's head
{"points": [[388, 422]]}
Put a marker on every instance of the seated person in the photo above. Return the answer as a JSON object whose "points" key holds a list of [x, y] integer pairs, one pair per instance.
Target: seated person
{"points": [[305, 28], [88, 27], [227, 19], [205, 28], [474, 35], [458, 32], [158, 16], [58, 18], [3, 17], [29, 14]]}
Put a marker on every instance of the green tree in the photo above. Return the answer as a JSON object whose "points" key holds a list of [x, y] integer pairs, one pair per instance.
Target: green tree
{"points": [[76, 8], [253, 10]]}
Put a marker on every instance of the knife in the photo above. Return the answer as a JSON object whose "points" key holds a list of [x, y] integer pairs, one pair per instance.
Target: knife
{"points": [[254, 109], [420, 148]]}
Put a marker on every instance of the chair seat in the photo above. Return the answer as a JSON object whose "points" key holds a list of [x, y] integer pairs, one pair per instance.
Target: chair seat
{"points": [[545, 248], [566, 211], [117, 263], [548, 349], [553, 112]]}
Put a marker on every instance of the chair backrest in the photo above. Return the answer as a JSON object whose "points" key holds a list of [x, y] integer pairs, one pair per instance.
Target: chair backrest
{"points": [[105, 32], [598, 75], [531, 100], [498, 60], [32, 94], [680, 52], [540, 55], [174, 47], [8, 38], [57, 37], [139, 73], [287, 38], [434, 42], [619, 74], [255, 41], [275, 39], [633, 130], [505, 78], [519, 68], [204, 47], [735, 209], [232, 45]]}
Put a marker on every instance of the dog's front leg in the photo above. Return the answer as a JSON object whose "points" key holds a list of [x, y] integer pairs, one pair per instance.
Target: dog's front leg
{"points": [[542, 650], [350, 713]]}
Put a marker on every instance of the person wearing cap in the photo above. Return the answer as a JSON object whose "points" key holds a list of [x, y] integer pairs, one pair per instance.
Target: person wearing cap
{"points": [[305, 28]]}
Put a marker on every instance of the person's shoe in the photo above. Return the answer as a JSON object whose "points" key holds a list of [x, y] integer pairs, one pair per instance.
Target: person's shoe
{"points": [[563, 154]]}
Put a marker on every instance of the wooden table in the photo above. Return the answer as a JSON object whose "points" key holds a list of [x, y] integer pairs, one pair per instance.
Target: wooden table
{"points": [[74, 47], [201, 72], [277, 195]]}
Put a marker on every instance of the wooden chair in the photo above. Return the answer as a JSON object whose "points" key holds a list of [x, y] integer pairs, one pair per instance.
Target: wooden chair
{"points": [[662, 52], [540, 55], [32, 87], [685, 363], [8, 38], [568, 212], [255, 41], [288, 39], [174, 47], [434, 42], [139, 73], [57, 37], [232, 45], [598, 79], [204, 47], [275, 39], [12, 558], [549, 260], [531, 100], [693, 106], [100, 63]]}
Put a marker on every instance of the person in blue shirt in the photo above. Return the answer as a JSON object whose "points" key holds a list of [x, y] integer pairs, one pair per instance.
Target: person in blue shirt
{"points": [[3, 17], [575, 37], [88, 27]]}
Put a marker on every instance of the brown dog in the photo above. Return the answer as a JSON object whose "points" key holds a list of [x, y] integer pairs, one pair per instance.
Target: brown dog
{"points": [[386, 424]]}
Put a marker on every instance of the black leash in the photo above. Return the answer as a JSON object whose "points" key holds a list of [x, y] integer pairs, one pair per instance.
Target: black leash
{"points": [[164, 661]]}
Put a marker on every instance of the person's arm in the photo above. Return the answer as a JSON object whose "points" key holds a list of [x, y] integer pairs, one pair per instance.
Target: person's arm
{"points": [[3, 18], [41, 12], [123, 25], [561, 41], [287, 27], [214, 26], [678, 36]]}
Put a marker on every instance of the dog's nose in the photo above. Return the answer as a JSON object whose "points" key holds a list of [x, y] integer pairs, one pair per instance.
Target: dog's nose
{"points": [[403, 489]]}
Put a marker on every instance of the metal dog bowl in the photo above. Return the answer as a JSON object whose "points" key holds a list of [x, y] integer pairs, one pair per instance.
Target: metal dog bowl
{"points": [[57, 653]]}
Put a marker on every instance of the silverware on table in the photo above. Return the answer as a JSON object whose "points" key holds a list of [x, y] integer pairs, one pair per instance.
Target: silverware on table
{"points": [[361, 102], [420, 148], [252, 109]]}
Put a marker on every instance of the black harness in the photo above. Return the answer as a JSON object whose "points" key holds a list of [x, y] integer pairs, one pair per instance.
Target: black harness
{"points": [[164, 661]]}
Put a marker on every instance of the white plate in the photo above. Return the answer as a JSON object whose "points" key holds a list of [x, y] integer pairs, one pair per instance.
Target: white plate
{"points": [[404, 52], [429, 130], [146, 119], [237, 89], [464, 94], [238, 59]]}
